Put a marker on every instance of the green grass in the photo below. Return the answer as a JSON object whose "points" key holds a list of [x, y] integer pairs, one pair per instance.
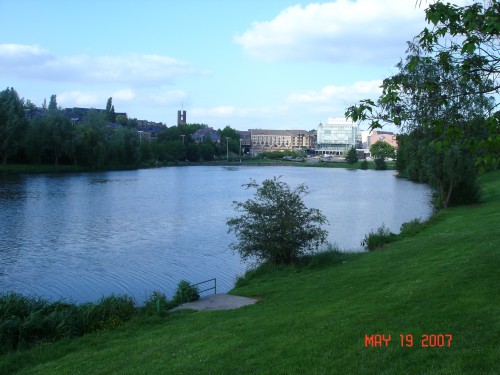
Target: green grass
{"points": [[312, 318]]}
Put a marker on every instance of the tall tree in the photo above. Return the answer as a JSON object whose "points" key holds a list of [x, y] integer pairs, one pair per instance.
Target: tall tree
{"points": [[13, 123], [452, 66], [228, 134], [58, 135], [53, 103], [439, 97], [93, 140], [110, 111], [352, 156]]}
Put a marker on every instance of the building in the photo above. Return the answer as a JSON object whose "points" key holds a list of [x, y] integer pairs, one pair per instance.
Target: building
{"points": [[204, 134], [336, 137], [262, 140], [149, 130], [246, 141], [181, 118], [378, 135]]}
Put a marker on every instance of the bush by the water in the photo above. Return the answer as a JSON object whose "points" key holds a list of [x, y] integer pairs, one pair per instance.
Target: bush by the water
{"points": [[29, 320], [25, 321], [378, 238], [275, 225], [185, 292], [380, 164], [411, 228], [157, 304]]}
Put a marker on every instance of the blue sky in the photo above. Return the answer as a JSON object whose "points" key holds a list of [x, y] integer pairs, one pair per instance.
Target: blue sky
{"points": [[248, 64]]}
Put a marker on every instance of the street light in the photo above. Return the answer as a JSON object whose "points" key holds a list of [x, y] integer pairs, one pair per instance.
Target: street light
{"points": [[240, 150]]}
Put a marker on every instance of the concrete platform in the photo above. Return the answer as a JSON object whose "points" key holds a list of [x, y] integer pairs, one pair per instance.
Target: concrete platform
{"points": [[217, 302]]}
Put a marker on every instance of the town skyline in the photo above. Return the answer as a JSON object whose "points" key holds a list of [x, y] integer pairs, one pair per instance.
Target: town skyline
{"points": [[248, 65]]}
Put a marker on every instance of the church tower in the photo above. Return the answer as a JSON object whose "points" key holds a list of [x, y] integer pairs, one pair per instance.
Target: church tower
{"points": [[181, 118]]}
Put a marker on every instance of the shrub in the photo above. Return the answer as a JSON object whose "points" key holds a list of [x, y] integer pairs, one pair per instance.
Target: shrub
{"points": [[379, 238], [156, 304], [364, 164], [411, 228], [380, 164], [352, 156], [108, 312], [26, 321], [275, 225], [185, 292]]}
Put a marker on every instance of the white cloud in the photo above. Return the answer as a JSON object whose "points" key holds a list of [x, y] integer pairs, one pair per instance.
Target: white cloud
{"points": [[19, 53], [33, 62], [344, 30], [79, 99], [342, 93], [231, 111], [166, 98], [332, 100], [123, 98], [125, 95]]}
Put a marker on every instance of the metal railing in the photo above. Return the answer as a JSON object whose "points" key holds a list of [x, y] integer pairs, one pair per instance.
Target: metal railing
{"points": [[214, 287], [189, 290]]}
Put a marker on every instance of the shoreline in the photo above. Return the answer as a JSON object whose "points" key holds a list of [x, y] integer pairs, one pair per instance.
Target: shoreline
{"points": [[18, 169]]}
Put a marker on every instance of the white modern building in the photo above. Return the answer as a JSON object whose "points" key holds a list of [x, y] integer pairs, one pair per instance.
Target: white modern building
{"points": [[336, 137]]}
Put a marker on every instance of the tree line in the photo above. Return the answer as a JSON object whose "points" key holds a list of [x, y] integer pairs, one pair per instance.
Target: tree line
{"points": [[54, 139]]}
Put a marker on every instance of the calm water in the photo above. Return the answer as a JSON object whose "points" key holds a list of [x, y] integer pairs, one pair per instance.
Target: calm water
{"points": [[81, 237]]}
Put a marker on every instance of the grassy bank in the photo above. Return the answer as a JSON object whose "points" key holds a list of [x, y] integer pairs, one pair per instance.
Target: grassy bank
{"points": [[313, 319]]}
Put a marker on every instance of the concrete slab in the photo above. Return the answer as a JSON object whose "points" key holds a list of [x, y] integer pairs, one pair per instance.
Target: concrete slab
{"points": [[217, 302]]}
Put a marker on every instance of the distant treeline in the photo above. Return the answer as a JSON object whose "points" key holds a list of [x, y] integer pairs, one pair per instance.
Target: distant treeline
{"points": [[98, 142]]}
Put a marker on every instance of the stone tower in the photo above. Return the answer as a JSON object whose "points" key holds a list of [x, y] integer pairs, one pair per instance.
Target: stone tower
{"points": [[181, 118]]}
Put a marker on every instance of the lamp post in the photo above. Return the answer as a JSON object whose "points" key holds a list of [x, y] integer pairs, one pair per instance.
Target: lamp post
{"points": [[227, 149], [240, 150]]}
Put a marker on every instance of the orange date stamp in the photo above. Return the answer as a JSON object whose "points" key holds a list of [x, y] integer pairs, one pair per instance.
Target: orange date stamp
{"points": [[433, 340]]}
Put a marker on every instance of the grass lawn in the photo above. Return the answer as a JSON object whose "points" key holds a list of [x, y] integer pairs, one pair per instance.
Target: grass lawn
{"points": [[313, 319]]}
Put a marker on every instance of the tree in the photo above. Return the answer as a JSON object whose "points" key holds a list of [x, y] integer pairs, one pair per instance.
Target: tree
{"points": [[438, 98], [192, 152], [352, 156], [92, 140], [275, 226], [207, 150], [234, 139], [466, 39], [449, 66], [382, 150], [53, 103], [110, 111], [58, 135], [125, 147], [13, 123]]}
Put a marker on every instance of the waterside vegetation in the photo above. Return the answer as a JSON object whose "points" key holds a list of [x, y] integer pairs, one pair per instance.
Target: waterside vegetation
{"points": [[314, 316]]}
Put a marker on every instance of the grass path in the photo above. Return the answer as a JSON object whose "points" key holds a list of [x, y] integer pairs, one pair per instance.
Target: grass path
{"points": [[313, 319]]}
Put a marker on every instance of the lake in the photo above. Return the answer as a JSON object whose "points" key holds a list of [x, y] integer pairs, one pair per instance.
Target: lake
{"points": [[83, 236]]}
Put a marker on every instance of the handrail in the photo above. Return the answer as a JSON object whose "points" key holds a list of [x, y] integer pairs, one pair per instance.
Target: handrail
{"points": [[207, 281]]}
